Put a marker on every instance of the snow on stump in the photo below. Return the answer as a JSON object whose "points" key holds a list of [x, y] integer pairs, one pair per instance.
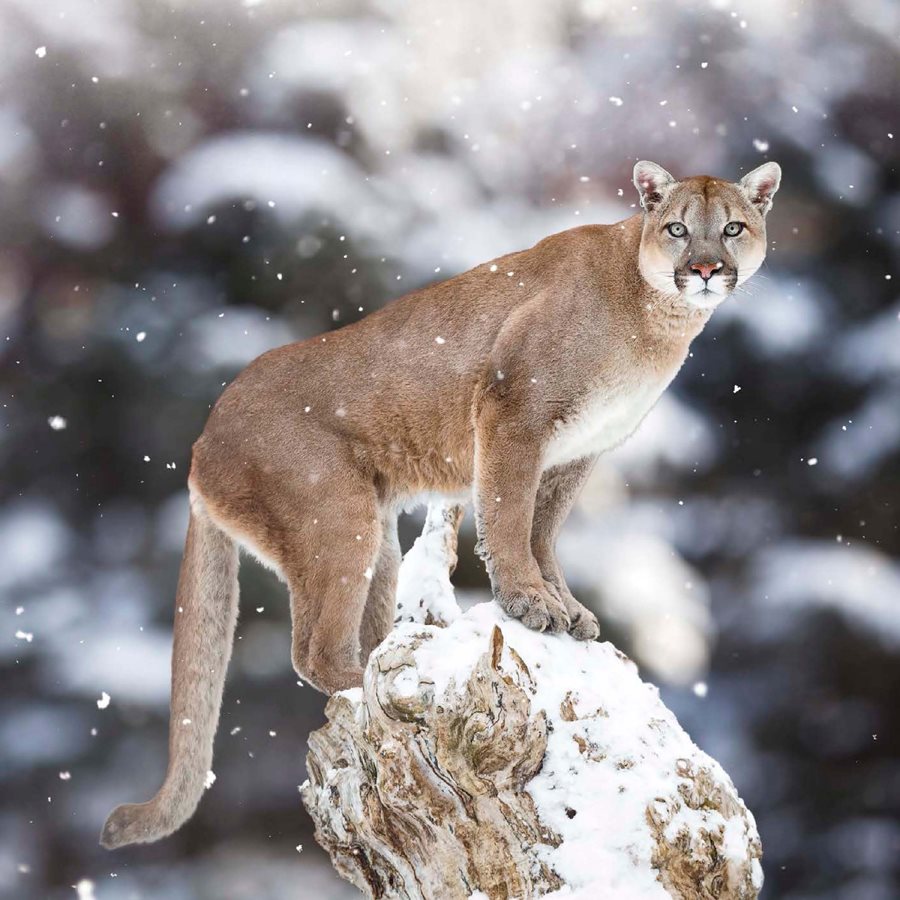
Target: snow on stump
{"points": [[486, 760]]}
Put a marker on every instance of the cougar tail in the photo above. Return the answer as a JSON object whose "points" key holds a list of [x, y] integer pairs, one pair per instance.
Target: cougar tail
{"points": [[205, 617]]}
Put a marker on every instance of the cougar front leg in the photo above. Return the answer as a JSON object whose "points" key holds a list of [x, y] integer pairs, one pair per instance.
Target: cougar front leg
{"points": [[556, 494], [508, 461]]}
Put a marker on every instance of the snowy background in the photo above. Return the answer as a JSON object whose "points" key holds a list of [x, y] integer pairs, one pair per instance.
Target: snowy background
{"points": [[184, 185]]}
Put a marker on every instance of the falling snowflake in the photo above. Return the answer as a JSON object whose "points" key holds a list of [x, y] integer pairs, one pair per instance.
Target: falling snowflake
{"points": [[85, 889], [103, 702], [57, 423]]}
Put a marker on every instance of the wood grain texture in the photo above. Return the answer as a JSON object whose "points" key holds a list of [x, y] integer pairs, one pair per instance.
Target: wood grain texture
{"points": [[417, 795]]}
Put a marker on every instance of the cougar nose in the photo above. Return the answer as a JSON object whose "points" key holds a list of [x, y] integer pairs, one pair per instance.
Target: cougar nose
{"points": [[707, 270]]}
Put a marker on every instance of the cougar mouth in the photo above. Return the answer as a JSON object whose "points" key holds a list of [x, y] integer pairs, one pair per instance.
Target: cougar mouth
{"points": [[692, 286]]}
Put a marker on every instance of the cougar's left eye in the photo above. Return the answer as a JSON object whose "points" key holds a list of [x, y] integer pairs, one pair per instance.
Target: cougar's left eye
{"points": [[677, 229], [733, 229]]}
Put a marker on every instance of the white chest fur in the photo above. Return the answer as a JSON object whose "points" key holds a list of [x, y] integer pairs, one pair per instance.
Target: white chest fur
{"points": [[604, 421]]}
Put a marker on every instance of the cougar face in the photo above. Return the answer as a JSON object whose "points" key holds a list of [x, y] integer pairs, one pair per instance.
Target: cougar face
{"points": [[702, 237]]}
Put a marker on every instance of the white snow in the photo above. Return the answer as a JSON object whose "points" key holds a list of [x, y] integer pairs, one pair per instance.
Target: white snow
{"points": [[861, 584], [598, 807], [234, 340], [103, 702], [85, 889], [847, 173], [35, 541], [75, 215], [305, 174], [870, 351], [854, 446], [779, 318], [424, 591]]}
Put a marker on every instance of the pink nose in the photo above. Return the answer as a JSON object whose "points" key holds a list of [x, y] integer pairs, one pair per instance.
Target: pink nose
{"points": [[706, 270]]}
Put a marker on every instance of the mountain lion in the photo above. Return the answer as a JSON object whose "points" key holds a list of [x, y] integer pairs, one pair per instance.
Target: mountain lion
{"points": [[503, 384]]}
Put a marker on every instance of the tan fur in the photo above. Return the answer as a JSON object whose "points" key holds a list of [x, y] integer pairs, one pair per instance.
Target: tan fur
{"points": [[206, 608], [504, 383]]}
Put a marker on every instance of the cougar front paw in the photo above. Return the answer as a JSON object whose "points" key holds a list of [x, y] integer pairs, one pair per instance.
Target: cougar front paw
{"points": [[535, 606], [584, 625]]}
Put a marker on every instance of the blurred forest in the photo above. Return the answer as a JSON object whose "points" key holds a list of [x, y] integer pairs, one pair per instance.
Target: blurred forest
{"points": [[186, 184]]}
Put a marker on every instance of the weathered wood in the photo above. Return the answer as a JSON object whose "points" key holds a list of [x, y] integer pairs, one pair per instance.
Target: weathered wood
{"points": [[483, 759], [414, 799]]}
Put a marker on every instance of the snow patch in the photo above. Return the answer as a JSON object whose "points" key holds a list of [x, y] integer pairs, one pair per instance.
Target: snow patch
{"points": [[613, 750], [859, 583], [424, 591]]}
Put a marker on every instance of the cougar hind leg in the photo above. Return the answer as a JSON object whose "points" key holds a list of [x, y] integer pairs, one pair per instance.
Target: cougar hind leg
{"points": [[381, 603], [314, 517], [329, 566]]}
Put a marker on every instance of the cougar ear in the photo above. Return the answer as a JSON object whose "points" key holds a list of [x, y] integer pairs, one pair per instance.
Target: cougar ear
{"points": [[652, 182], [760, 185]]}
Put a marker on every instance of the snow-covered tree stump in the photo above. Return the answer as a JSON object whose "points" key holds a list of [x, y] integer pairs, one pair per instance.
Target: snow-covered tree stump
{"points": [[483, 759]]}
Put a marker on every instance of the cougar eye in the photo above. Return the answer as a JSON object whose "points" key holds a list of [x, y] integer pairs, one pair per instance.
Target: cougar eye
{"points": [[733, 229], [677, 229]]}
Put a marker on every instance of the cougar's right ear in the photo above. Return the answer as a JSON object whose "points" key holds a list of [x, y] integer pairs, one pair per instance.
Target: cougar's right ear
{"points": [[652, 182]]}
